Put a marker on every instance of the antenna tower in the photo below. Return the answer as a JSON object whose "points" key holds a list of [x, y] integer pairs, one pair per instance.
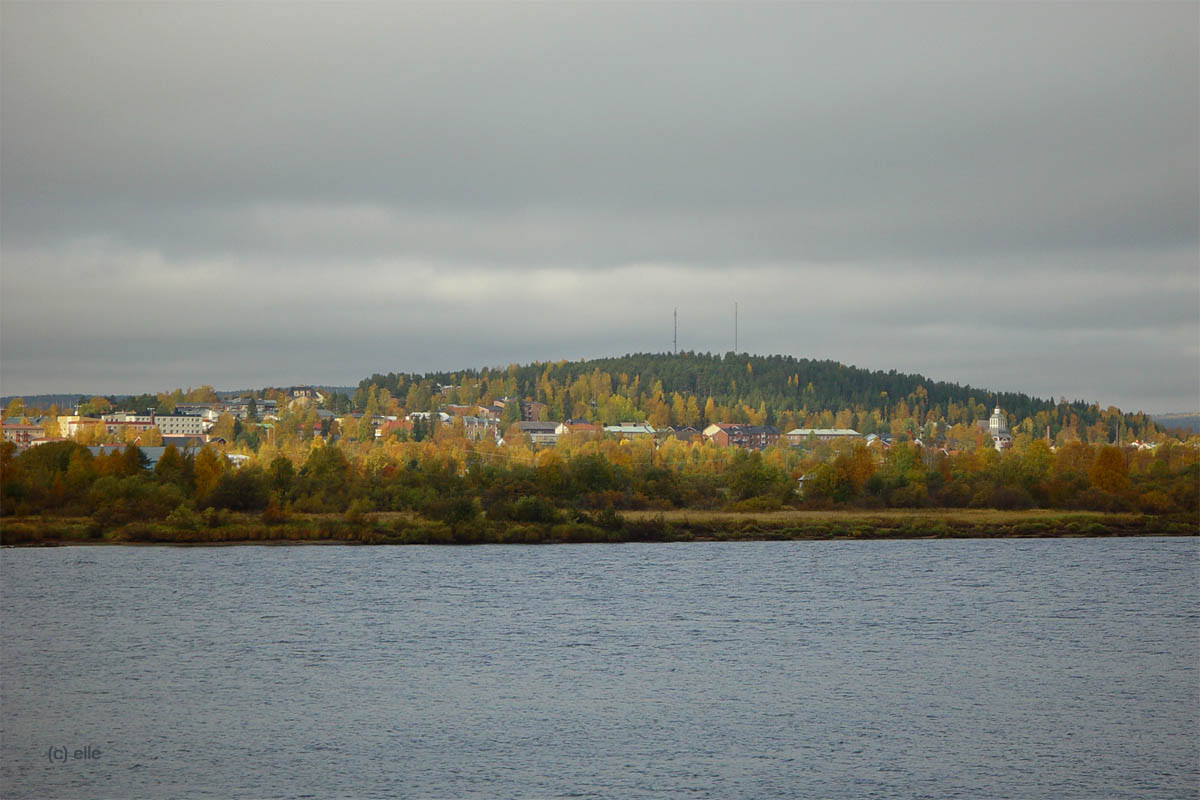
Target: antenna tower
{"points": [[675, 341]]}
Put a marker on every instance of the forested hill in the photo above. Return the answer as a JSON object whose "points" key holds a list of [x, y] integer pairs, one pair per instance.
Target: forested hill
{"points": [[693, 388]]}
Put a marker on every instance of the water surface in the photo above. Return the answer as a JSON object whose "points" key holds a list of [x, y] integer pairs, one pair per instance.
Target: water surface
{"points": [[1063, 668]]}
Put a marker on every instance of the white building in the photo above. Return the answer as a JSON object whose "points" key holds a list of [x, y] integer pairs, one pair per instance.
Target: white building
{"points": [[182, 425], [998, 428]]}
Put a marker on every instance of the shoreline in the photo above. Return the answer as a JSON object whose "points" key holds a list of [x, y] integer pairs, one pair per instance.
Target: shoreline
{"points": [[401, 528], [345, 543]]}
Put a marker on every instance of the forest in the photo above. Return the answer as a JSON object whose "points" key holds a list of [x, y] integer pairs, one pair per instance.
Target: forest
{"points": [[351, 461]]}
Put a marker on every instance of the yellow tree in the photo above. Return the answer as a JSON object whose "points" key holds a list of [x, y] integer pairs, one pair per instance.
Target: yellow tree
{"points": [[1109, 471], [209, 466]]}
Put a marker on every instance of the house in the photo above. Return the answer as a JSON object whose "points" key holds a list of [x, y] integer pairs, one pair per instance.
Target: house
{"points": [[799, 436], [531, 411], [683, 433], [23, 431], [478, 428], [630, 430], [442, 416], [540, 433], [208, 411], [308, 393], [879, 442], [185, 444], [732, 434], [240, 408], [577, 426]]}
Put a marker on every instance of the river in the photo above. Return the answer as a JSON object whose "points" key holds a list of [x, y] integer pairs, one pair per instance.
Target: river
{"points": [[1047, 668]]}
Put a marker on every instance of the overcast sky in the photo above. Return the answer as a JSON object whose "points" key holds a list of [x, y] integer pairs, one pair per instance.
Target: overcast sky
{"points": [[273, 193]]}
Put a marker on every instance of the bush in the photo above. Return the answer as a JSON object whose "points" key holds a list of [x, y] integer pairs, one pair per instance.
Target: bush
{"points": [[1094, 499], [1155, 502], [1010, 498], [184, 518], [240, 490], [453, 510], [535, 509], [274, 514], [357, 510], [911, 496]]}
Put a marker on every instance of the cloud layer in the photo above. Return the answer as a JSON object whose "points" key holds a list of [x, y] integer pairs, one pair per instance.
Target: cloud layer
{"points": [[258, 194]]}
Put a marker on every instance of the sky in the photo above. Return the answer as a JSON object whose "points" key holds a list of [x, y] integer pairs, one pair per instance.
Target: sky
{"points": [[249, 195]]}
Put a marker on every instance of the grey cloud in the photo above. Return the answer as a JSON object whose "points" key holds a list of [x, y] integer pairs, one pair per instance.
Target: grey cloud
{"points": [[301, 190]]}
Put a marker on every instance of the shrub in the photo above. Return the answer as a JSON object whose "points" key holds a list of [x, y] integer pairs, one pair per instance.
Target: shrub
{"points": [[184, 518], [357, 510], [1155, 502], [535, 509]]}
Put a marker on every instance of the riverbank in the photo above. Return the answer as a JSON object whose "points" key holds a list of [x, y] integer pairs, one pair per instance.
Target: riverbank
{"points": [[226, 528]]}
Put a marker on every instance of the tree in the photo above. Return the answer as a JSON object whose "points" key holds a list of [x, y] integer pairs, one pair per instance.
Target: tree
{"points": [[15, 408], [365, 431], [209, 467], [223, 429], [510, 414], [173, 468], [133, 460], [1109, 471]]}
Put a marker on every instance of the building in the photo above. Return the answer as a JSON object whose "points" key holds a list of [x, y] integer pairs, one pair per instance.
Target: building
{"points": [[479, 428], [630, 430], [182, 425], [577, 426], [23, 431], [531, 411], [682, 433], [751, 437], [540, 433], [799, 436], [212, 410], [69, 425], [998, 430], [118, 423], [150, 454]]}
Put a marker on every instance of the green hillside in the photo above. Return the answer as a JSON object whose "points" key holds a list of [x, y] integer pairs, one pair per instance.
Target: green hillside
{"points": [[778, 390]]}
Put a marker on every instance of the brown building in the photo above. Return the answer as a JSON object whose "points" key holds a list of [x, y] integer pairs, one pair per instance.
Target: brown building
{"points": [[751, 437]]}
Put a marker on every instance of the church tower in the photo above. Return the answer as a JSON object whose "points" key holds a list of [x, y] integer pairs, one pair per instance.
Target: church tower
{"points": [[998, 428]]}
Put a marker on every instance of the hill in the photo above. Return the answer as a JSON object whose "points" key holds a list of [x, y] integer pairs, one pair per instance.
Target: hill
{"points": [[1187, 422], [780, 390]]}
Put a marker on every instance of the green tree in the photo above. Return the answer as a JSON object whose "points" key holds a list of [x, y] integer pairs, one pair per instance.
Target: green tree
{"points": [[173, 468]]}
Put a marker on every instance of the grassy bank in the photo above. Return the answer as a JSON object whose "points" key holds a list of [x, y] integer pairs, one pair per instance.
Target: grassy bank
{"points": [[672, 526]]}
